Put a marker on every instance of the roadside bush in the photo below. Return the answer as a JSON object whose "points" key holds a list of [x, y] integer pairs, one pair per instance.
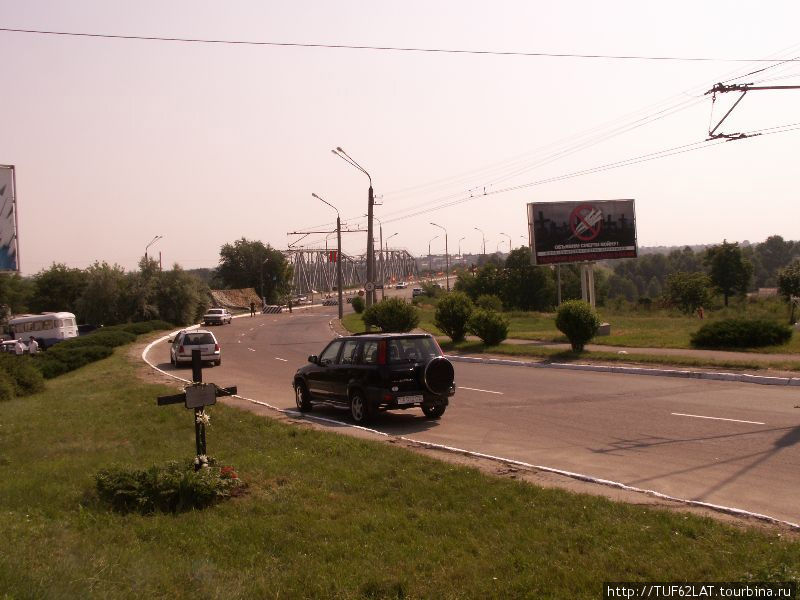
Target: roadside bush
{"points": [[174, 487], [61, 358], [358, 304], [578, 321], [432, 290], [741, 333], [452, 314], [146, 326], [27, 379], [489, 325], [489, 302], [7, 391], [110, 338], [392, 315]]}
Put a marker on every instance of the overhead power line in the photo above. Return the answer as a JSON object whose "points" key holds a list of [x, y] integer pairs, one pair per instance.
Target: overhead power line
{"points": [[186, 40]]}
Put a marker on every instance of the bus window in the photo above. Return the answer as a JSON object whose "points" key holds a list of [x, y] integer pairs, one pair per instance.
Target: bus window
{"points": [[59, 323], [69, 323], [37, 325], [47, 324], [28, 326]]}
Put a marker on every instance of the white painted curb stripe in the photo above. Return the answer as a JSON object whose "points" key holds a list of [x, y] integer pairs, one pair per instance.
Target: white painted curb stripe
{"points": [[570, 474], [737, 377], [717, 418]]}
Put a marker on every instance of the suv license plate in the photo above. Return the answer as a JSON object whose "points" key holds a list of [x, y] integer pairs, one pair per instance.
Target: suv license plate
{"points": [[409, 399]]}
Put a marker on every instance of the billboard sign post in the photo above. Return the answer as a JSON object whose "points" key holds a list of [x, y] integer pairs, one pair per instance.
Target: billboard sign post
{"points": [[9, 242]]}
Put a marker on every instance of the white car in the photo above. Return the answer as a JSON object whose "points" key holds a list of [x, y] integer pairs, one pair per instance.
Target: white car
{"points": [[401, 285], [217, 316], [197, 339], [417, 292]]}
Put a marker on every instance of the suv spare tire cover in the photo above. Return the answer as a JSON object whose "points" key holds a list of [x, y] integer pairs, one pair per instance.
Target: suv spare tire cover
{"points": [[439, 375]]}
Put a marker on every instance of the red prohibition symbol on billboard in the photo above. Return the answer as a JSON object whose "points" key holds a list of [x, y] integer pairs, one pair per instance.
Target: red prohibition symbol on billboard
{"points": [[586, 221]]}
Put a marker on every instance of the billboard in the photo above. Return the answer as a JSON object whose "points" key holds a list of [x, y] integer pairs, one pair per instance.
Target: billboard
{"points": [[9, 255], [586, 230]]}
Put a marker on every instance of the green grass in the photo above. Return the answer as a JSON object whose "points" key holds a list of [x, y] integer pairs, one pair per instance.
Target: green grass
{"points": [[327, 515]]}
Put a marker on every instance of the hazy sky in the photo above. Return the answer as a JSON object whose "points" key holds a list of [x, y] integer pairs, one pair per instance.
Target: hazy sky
{"points": [[116, 141]]}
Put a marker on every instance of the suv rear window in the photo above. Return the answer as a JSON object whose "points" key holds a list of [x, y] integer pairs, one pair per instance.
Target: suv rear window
{"points": [[195, 339], [215, 311], [412, 349]]}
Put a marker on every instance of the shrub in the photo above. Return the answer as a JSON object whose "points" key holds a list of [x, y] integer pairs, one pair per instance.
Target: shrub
{"points": [[489, 325], [62, 358], [110, 338], [174, 487], [432, 290], [741, 333], [452, 314], [489, 302], [392, 314], [358, 304], [578, 321], [7, 388], [26, 378]]}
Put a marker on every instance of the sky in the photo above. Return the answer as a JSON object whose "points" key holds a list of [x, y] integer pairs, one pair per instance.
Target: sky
{"points": [[118, 141]]}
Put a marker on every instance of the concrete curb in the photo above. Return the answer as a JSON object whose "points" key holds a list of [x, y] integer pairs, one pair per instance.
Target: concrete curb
{"points": [[737, 377]]}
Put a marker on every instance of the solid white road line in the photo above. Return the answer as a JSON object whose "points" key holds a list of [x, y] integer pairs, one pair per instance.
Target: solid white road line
{"points": [[252, 349], [461, 387], [717, 418], [283, 359]]}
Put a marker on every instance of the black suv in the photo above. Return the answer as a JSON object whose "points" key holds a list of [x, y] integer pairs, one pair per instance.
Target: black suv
{"points": [[374, 372]]}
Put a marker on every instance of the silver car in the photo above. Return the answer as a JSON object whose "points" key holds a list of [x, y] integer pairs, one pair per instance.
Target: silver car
{"points": [[197, 339]]}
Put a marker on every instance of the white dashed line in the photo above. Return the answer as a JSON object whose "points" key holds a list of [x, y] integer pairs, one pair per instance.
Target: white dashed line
{"points": [[717, 418], [283, 359], [251, 349], [461, 387]]}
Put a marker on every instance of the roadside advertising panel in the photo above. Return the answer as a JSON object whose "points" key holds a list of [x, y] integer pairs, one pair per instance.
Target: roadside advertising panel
{"points": [[9, 256], [586, 230]]}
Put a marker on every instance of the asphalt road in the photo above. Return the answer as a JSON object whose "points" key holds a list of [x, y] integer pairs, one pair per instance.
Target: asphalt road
{"points": [[725, 443]]}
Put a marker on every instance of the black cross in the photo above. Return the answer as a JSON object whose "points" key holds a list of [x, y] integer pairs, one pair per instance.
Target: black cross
{"points": [[197, 396]]}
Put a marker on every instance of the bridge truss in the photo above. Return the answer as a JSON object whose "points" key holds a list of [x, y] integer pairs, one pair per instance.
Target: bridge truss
{"points": [[314, 272]]}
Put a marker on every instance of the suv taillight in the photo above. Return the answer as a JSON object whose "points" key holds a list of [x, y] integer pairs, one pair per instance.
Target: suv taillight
{"points": [[382, 352], [216, 347], [180, 349]]}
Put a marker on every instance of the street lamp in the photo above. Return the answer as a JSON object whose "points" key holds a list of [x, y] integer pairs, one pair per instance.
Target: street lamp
{"points": [[383, 293], [382, 275], [483, 236], [461, 256], [338, 253], [153, 241], [446, 255], [509, 241], [370, 203], [430, 269]]}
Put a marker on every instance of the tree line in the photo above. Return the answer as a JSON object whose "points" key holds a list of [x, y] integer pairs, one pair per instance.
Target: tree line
{"points": [[108, 294]]}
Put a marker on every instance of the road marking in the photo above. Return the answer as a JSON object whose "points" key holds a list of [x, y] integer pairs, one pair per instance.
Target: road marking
{"points": [[251, 349], [283, 359], [461, 387], [718, 418]]}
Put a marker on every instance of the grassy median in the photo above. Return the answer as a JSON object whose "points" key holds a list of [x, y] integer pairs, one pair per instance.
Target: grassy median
{"points": [[326, 516]]}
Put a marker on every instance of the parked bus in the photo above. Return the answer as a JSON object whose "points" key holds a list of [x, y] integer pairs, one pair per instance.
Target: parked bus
{"points": [[48, 328]]}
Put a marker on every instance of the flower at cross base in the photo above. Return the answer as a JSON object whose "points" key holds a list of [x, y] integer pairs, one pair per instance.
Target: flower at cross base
{"points": [[201, 460], [228, 472], [201, 418]]}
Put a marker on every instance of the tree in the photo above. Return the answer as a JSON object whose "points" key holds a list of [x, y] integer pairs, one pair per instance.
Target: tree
{"points": [[688, 291], [730, 272], [578, 321], [789, 285], [525, 286], [102, 299], [15, 292], [773, 253], [181, 298], [653, 288], [138, 302], [392, 315], [452, 314], [251, 264], [57, 288]]}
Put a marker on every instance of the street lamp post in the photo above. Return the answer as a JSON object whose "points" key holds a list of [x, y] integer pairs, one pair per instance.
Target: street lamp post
{"points": [[509, 241], [381, 273], [383, 293], [338, 253], [461, 256], [370, 203], [483, 236], [430, 269], [153, 241], [446, 255]]}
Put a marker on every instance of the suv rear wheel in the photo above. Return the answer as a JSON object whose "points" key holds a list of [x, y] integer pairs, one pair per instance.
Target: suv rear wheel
{"points": [[433, 412], [301, 397], [360, 410]]}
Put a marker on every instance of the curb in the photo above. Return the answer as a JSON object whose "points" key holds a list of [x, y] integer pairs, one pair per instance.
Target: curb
{"points": [[737, 377]]}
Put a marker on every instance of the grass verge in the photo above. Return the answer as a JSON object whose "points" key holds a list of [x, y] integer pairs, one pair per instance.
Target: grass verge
{"points": [[327, 515]]}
